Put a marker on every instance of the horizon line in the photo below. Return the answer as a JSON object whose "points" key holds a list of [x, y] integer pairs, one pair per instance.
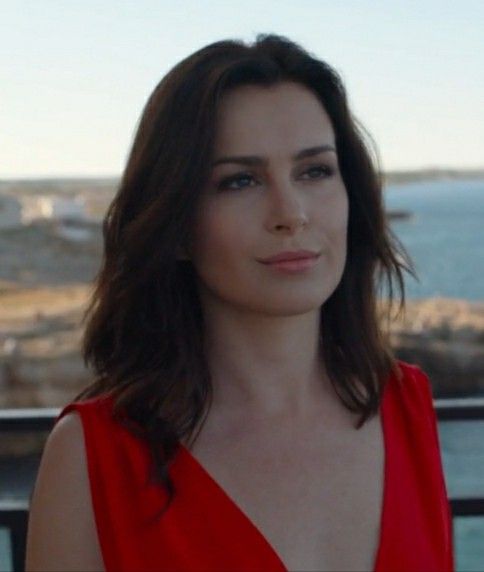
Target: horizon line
{"points": [[77, 177]]}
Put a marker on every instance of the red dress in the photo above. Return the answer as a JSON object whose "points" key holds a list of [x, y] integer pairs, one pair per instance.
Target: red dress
{"points": [[204, 529]]}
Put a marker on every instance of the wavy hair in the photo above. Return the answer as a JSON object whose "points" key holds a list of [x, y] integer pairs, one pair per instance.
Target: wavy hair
{"points": [[143, 333]]}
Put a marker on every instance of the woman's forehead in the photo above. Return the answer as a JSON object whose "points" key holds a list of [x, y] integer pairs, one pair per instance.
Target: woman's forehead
{"points": [[287, 116]]}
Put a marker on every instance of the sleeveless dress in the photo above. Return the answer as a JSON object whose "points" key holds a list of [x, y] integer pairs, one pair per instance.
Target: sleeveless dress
{"points": [[204, 529]]}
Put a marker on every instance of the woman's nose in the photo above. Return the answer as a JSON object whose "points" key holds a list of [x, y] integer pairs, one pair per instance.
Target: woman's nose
{"points": [[286, 208]]}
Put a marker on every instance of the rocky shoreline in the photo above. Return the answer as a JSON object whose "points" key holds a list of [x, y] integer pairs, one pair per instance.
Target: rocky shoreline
{"points": [[445, 337], [40, 333]]}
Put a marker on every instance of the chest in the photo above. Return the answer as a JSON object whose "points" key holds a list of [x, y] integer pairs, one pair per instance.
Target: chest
{"points": [[316, 499]]}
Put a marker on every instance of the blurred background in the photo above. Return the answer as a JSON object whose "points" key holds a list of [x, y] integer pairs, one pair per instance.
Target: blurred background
{"points": [[74, 78]]}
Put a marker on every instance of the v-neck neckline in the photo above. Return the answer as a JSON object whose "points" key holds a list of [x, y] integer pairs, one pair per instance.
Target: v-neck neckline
{"points": [[258, 532]]}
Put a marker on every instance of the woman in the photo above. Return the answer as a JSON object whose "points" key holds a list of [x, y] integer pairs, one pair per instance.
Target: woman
{"points": [[248, 413]]}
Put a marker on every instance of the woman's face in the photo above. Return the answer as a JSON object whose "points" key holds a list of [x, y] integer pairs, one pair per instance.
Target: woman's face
{"points": [[275, 202]]}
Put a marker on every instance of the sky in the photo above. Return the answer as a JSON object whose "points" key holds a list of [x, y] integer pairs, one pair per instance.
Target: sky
{"points": [[75, 76]]}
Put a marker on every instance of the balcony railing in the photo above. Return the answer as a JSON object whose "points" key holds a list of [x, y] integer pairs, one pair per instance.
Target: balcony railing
{"points": [[14, 513]]}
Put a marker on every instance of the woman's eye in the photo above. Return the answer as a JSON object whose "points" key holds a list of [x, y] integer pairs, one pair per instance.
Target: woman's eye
{"points": [[227, 182], [240, 180], [320, 170]]}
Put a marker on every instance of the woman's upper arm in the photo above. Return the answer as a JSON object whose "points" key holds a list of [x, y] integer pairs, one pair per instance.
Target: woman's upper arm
{"points": [[62, 533]]}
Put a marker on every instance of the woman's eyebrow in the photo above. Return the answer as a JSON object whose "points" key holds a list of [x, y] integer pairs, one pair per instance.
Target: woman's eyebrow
{"points": [[255, 160]]}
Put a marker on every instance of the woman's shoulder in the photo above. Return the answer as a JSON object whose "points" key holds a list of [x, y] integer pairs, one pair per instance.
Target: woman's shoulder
{"points": [[106, 429], [75, 421], [412, 377], [100, 405], [413, 389], [60, 504]]}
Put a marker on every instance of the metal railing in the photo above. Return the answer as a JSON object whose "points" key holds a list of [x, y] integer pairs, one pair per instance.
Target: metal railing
{"points": [[14, 513], [462, 409]]}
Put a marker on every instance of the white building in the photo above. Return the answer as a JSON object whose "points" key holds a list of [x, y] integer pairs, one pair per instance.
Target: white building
{"points": [[54, 207]]}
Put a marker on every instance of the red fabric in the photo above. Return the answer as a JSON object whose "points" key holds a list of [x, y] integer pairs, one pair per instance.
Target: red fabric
{"points": [[205, 530]]}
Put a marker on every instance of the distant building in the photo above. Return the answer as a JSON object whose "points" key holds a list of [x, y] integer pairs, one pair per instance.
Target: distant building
{"points": [[10, 212], [75, 230], [54, 207]]}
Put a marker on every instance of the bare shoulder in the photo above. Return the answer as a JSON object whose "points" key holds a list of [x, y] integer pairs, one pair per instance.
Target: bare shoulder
{"points": [[62, 533]]}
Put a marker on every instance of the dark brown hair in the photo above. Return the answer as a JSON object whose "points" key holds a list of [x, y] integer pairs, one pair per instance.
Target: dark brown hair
{"points": [[144, 324]]}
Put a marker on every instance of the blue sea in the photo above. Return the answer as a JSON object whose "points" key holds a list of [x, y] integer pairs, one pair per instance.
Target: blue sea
{"points": [[445, 236]]}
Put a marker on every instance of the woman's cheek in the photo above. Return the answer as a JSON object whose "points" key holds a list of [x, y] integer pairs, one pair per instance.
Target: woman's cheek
{"points": [[217, 238]]}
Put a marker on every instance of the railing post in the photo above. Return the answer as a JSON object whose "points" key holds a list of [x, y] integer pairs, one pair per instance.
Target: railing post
{"points": [[14, 515]]}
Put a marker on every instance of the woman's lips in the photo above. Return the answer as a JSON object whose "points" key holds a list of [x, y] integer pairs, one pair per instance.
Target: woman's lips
{"points": [[293, 266], [289, 255]]}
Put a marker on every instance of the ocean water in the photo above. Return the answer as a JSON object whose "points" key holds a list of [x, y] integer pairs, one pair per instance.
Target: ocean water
{"points": [[445, 236], [462, 452]]}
